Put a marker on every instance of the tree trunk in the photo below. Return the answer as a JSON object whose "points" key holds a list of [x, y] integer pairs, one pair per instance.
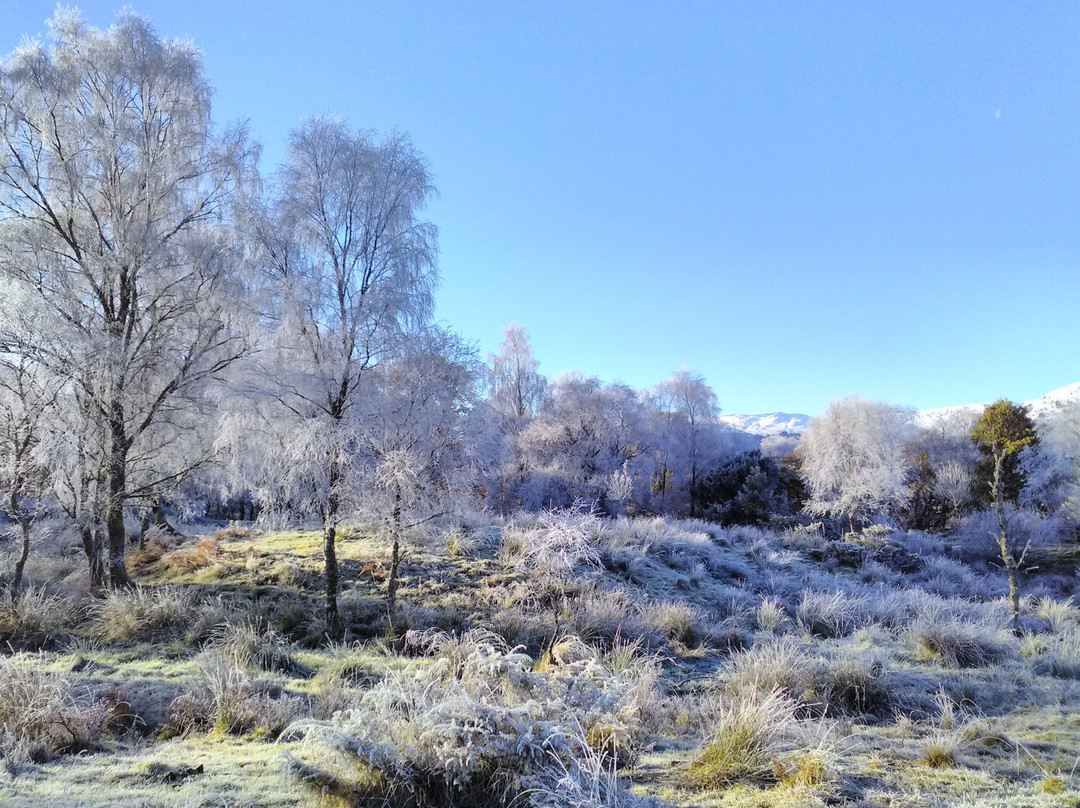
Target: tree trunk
{"points": [[330, 564], [20, 565], [333, 618], [693, 491], [114, 510], [1012, 567], [395, 556], [93, 546], [144, 526]]}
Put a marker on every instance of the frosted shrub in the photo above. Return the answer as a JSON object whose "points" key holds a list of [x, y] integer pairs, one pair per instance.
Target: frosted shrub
{"points": [[781, 666], [679, 622], [1058, 615], [225, 700], [950, 578], [975, 540], [1062, 656], [585, 780], [855, 685], [469, 728], [601, 617], [561, 540], [846, 685], [247, 643], [771, 616], [460, 543]]}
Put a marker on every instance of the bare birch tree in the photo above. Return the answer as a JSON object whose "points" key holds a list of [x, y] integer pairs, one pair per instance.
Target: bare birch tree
{"points": [[114, 197], [355, 270]]}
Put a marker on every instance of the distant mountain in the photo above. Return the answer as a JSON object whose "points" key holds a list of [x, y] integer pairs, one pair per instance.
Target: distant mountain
{"points": [[794, 424], [766, 424], [1044, 405]]}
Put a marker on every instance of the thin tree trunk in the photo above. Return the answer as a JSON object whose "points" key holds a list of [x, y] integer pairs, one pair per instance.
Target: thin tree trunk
{"points": [[395, 556], [693, 490], [20, 565], [144, 526], [330, 563], [1012, 567]]}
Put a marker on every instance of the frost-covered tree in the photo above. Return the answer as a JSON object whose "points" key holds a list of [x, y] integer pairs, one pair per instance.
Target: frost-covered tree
{"points": [[516, 392], [1002, 433], [687, 434], [413, 439], [352, 267], [942, 462], [115, 195], [853, 459], [518, 389], [28, 398], [1052, 474], [586, 439]]}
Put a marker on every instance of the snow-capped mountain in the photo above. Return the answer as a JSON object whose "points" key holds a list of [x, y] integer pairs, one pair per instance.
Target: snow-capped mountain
{"points": [[1039, 407], [794, 424], [766, 424]]}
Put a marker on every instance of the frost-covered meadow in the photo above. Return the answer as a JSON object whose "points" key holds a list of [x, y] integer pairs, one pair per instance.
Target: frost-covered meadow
{"points": [[548, 659]]}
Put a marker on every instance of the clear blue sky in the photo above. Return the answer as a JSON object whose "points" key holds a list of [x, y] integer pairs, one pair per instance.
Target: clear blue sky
{"points": [[799, 200]]}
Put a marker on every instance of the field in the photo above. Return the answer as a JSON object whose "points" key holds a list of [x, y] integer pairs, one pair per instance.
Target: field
{"points": [[551, 659]]}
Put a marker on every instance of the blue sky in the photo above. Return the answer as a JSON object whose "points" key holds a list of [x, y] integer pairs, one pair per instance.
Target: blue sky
{"points": [[798, 200]]}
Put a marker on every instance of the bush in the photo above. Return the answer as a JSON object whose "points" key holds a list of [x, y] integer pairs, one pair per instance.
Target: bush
{"points": [[940, 750], [744, 490], [562, 540], [601, 617], [855, 685], [1059, 616], [771, 616], [846, 685], [771, 667], [677, 621], [1062, 656], [248, 643]]}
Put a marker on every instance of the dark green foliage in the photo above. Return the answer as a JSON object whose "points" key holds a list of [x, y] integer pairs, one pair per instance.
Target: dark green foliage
{"points": [[792, 482], [746, 489], [1003, 430], [924, 509]]}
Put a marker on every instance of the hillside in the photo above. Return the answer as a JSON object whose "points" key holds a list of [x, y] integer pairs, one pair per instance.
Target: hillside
{"points": [[709, 666]]}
